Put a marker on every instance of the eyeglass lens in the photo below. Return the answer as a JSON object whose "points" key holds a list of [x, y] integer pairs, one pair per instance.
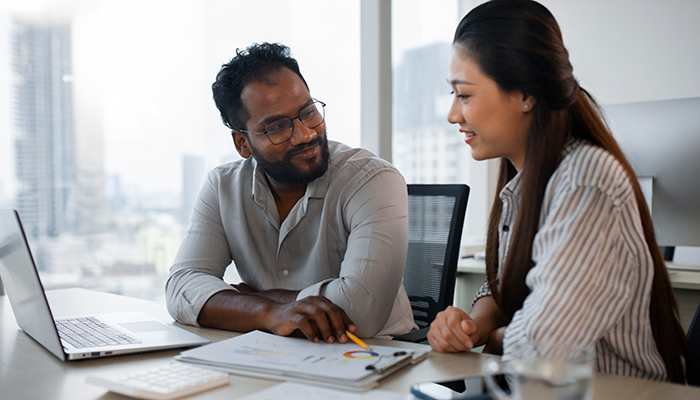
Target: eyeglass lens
{"points": [[282, 129]]}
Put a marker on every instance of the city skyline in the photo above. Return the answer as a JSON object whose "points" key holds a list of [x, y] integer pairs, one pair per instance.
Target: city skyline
{"points": [[141, 117], [147, 87], [141, 131], [146, 133]]}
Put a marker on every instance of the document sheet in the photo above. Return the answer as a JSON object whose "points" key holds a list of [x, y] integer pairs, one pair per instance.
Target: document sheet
{"points": [[270, 356]]}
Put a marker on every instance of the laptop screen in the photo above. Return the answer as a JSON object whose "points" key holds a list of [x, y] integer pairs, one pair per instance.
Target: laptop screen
{"points": [[23, 285]]}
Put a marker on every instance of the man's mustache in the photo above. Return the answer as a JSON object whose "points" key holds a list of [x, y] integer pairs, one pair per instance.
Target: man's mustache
{"points": [[315, 142]]}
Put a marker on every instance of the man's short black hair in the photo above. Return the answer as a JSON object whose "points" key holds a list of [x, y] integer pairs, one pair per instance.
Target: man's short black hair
{"points": [[254, 64]]}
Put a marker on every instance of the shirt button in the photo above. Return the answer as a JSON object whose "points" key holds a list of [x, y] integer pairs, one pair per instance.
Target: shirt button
{"points": [[285, 272], [505, 228]]}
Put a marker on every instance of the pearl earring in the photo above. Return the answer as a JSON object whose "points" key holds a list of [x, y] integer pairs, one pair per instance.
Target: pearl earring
{"points": [[526, 106]]}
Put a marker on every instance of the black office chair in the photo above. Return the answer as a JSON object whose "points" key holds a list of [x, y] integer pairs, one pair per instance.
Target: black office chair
{"points": [[435, 221], [694, 340]]}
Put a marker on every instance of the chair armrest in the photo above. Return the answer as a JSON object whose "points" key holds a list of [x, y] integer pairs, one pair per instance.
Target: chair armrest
{"points": [[418, 336]]}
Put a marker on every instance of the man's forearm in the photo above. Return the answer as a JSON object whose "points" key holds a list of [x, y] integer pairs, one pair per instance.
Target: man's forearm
{"points": [[276, 295], [234, 311], [279, 295]]}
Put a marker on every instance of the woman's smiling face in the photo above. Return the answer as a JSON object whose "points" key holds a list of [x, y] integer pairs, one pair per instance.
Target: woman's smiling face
{"points": [[495, 123]]}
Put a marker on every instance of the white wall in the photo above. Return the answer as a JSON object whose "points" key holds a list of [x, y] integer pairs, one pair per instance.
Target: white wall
{"points": [[634, 50], [630, 50]]}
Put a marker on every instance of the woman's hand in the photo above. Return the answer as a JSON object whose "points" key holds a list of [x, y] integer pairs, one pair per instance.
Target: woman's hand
{"points": [[453, 331]]}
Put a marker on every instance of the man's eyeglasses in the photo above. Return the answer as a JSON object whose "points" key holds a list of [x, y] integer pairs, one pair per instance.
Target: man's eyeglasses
{"points": [[281, 130]]}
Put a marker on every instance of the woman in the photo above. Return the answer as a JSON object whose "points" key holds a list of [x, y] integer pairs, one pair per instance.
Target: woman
{"points": [[571, 256]]}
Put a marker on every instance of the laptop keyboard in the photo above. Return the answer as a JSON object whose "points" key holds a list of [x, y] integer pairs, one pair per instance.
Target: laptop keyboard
{"points": [[90, 332]]}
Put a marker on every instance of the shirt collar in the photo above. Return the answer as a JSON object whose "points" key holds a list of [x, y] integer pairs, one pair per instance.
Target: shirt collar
{"points": [[260, 187], [512, 188]]}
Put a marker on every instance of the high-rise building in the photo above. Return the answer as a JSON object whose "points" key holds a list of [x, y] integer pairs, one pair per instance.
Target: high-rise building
{"points": [[45, 163], [426, 147]]}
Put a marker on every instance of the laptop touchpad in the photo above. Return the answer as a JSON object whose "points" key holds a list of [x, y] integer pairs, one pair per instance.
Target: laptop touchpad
{"points": [[146, 326]]}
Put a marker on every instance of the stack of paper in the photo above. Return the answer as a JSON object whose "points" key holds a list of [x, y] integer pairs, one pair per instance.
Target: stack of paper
{"points": [[269, 356]]}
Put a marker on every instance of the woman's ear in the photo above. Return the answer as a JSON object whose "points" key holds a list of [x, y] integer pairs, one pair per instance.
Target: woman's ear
{"points": [[241, 142], [528, 102]]}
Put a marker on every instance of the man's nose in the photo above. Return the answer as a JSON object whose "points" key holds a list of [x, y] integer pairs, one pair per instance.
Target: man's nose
{"points": [[301, 133]]}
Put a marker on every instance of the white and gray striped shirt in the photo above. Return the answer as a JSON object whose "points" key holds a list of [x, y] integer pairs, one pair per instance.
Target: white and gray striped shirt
{"points": [[591, 283]]}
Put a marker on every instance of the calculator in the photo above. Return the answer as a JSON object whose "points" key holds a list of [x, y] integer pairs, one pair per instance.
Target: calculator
{"points": [[173, 381]]}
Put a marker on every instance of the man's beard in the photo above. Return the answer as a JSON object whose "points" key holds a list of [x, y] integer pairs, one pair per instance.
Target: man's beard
{"points": [[285, 172]]}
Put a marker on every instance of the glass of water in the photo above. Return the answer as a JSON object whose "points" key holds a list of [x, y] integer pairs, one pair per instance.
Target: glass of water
{"points": [[546, 372]]}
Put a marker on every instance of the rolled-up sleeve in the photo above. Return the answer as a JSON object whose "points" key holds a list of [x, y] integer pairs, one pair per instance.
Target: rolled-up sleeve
{"points": [[376, 214], [483, 291], [200, 263]]}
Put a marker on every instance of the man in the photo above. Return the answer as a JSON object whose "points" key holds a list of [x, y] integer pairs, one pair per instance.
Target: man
{"points": [[318, 231]]}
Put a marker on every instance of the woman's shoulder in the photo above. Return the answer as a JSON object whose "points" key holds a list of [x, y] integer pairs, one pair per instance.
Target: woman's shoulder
{"points": [[587, 165]]}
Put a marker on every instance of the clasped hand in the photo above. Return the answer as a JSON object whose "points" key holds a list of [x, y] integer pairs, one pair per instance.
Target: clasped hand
{"points": [[453, 331]]}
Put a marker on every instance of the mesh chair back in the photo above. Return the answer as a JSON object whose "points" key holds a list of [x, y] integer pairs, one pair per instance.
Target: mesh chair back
{"points": [[693, 377], [435, 220]]}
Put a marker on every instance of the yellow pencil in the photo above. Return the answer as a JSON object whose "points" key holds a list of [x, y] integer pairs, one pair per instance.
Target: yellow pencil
{"points": [[358, 341]]}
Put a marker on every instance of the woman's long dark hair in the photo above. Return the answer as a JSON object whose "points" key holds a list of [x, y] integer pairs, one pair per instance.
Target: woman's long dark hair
{"points": [[518, 44]]}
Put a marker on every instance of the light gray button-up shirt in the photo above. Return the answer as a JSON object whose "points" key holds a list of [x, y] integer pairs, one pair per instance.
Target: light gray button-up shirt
{"points": [[345, 239]]}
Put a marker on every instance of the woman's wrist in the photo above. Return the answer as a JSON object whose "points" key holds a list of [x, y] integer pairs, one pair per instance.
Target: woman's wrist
{"points": [[488, 318], [494, 345]]}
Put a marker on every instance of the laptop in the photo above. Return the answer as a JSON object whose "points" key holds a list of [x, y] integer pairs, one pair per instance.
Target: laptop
{"points": [[117, 333]]}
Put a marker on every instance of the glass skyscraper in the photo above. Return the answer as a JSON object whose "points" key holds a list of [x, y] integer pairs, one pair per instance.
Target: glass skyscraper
{"points": [[43, 117]]}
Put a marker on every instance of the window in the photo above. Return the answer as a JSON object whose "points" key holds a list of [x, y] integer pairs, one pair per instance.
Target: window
{"points": [[113, 127], [426, 148]]}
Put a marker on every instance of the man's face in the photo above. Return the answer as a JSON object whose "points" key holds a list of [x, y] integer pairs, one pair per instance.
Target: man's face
{"points": [[305, 156]]}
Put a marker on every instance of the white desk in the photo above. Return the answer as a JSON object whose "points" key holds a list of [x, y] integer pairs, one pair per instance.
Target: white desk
{"points": [[27, 371]]}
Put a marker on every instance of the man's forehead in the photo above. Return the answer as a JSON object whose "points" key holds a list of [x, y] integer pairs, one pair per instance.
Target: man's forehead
{"points": [[271, 77], [281, 76], [281, 88]]}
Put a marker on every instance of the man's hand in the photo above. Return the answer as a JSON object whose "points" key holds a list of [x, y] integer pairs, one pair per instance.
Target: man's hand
{"points": [[453, 331], [276, 311], [315, 317]]}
